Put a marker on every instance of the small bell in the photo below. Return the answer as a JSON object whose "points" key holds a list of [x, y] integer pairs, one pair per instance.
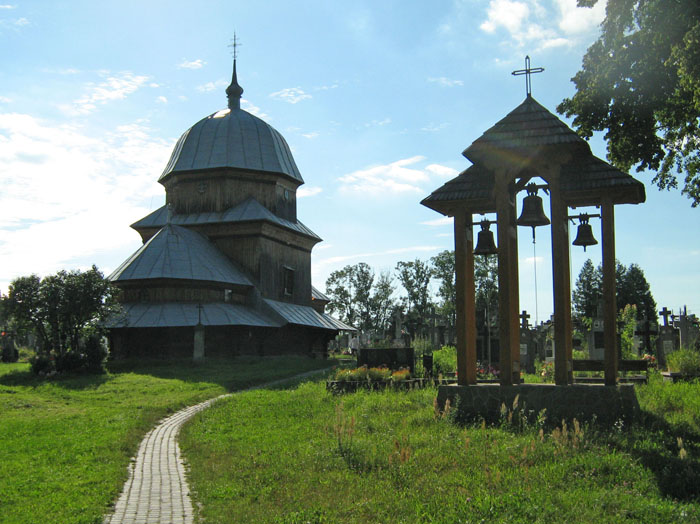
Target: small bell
{"points": [[485, 244], [584, 234]]}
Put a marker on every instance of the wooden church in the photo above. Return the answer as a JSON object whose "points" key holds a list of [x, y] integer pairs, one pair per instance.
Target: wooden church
{"points": [[225, 265]]}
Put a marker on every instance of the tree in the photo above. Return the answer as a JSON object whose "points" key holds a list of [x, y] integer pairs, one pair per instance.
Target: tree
{"points": [[631, 288], [486, 283], [415, 278], [640, 81], [381, 303], [62, 309], [587, 292], [444, 270], [350, 292]]}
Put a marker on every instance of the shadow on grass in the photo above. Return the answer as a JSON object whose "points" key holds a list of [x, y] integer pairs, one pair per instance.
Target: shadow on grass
{"points": [[231, 374], [655, 443], [73, 381]]}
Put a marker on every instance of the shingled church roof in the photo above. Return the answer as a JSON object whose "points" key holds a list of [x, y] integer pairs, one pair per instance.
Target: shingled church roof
{"points": [[232, 138], [178, 253], [250, 210], [523, 130], [527, 132]]}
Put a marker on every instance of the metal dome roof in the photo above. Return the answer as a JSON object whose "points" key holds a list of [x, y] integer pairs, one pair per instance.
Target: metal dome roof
{"points": [[236, 139]]}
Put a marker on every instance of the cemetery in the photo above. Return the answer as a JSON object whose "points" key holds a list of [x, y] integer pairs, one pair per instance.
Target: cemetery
{"points": [[206, 379]]}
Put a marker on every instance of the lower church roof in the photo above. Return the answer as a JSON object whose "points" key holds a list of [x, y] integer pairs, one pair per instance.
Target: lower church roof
{"points": [[178, 314], [250, 210], [175, 252]]}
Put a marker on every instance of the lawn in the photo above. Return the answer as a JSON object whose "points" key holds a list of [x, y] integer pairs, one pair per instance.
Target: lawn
{"points": [[65, 443], [305, 456]]}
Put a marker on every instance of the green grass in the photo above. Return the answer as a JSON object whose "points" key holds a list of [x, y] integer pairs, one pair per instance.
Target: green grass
{"points": [[65, 444], [303, 455]]}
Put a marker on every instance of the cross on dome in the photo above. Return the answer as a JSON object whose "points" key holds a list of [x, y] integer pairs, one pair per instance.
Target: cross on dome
{"points": [[234, 91]]}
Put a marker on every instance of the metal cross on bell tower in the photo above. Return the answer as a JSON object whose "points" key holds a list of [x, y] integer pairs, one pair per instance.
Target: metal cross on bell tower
{"points": [[527, 72]]}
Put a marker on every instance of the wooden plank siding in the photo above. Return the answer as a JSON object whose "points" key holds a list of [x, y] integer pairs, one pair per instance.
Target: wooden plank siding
{"points": [[219, 190]]}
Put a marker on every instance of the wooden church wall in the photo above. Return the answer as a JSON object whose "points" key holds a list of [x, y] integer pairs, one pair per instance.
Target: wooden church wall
{"points": [[218, 191]]}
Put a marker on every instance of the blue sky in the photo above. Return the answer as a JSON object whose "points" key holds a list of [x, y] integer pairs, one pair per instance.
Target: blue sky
{"points": [[376, 99]]}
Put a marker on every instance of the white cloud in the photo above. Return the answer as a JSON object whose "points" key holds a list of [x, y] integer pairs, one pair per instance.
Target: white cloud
{"points": [[446, 82], [433, 128], [394, 177], [444, 221], [191, 64], [6, 6], [69, 196], [253, 109], [5, 100], [162, 100], [292, 95], [443, 171], [575, 20], [212, 86], [507, 14], [312, 134], [310, 191], [21, 22], [114, 87], [532, 24], [380, 123]]}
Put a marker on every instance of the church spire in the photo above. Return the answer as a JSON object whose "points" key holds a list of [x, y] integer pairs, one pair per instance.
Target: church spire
{"points": [[234, 91]]}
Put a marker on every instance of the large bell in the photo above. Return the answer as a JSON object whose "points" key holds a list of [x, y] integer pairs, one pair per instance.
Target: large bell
{"points": [[584, 234], [533, 213], [485, 244]]}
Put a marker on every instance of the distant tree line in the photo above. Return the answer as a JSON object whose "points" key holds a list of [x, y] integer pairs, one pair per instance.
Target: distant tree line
{"points": [[423, 293]]}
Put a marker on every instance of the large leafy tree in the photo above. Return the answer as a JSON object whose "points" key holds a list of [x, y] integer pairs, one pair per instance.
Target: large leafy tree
{"points": [[415, 278], [349, 289], [382, 304], [640, 82], [486, 284], [61, 309], [444, 271]]}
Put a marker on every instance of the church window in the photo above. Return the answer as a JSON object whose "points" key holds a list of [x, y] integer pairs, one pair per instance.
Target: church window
{"points": [[288, 280], [228, 296], [143, 295]]}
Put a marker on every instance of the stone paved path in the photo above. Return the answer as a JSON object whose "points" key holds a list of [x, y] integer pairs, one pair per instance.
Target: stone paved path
{"points": [[157, 491]]}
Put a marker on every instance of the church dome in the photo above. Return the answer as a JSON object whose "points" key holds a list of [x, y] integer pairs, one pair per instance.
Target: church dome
{"points": [[232, 138]]}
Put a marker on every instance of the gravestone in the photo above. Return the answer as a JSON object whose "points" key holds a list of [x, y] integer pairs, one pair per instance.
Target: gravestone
{"points": [[596, 340], [528, 350], [669, 338], [688, 327], [645, 330]]}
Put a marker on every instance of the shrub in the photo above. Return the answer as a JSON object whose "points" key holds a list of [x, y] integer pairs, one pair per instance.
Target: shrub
{"points": [[71, 361], [96, 354], [378, 374], [9, 353], [43, 364], [401, 375], [684, 360], [422, 346], [445, 360]]}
